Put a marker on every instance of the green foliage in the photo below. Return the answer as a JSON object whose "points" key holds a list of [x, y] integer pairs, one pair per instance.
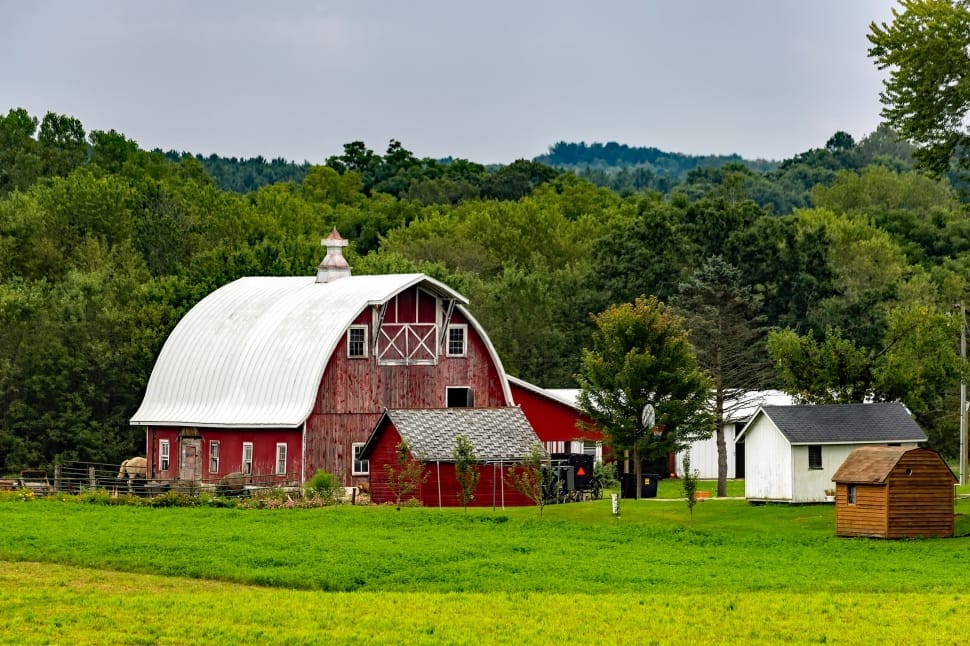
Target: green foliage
{"points": [[466, 468], [926, 99], [529, 477], [688, 485], [406, 475], [323, 485], [641, 355]]}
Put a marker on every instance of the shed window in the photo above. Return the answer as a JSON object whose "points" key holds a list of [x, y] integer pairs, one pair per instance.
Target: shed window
{"points": [[247, 458], [460, 397], [850, 494], [163, 455], [456, 340], [280, 458], [357, 342], [815, 457], [213, 456], [361, 467]]}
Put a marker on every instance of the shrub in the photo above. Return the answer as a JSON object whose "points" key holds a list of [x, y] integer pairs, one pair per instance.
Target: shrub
{"points": [[324, 486]]}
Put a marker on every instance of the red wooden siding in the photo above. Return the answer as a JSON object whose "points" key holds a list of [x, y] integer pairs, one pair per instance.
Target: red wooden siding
{"points": [[552, 420], [492, 489], [230, 451], [354, 392]]}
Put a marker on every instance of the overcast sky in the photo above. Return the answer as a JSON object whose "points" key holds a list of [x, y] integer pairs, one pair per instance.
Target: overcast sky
{"points": [[487, 81]]}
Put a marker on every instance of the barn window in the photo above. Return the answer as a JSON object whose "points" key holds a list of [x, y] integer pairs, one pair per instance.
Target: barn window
{"points": [[456, 340], [213, 456], [280, 458], [815, 457], [357, 342], [247, 457], [163, 455], [459, 397], [850, 494], [361, 467]]}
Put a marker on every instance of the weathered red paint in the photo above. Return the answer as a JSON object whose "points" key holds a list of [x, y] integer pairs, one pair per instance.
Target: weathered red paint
{"points": [[355, 391], [230, 451], [552, 419], [441, 487]]}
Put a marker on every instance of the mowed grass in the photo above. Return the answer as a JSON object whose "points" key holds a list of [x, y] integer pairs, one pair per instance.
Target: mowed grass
{"points": [[87, 574]]}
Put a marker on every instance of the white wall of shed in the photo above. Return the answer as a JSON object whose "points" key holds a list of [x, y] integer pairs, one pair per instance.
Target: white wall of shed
{"points": [[767, 462]]}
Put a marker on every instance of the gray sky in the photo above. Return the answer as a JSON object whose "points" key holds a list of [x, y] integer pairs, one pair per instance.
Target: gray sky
{"points": [[487, 81]]}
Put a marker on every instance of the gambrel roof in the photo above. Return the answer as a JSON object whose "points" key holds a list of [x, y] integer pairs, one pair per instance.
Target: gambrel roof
{"points": [[842, 423], [495, 433], [253, 353]]}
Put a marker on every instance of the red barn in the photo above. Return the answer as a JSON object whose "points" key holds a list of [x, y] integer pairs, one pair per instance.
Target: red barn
{"points": [[282, 376], [557, 420], [501, 438]]}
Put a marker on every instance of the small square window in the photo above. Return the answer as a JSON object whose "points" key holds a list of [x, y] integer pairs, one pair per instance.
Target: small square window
{"points": [[815, 457], [459, 397], [361, 467], [456, 340], [357, 342]]}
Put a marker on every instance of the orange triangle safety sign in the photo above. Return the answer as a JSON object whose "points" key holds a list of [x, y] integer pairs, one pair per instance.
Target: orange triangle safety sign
{"points": [[580, 471]]}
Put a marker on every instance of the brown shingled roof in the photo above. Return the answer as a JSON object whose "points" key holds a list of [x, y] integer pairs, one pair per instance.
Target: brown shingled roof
{"points": [[870, 464]]}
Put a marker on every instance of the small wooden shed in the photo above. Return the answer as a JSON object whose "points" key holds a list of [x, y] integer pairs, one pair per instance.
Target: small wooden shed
{"points": [[894, 492]]}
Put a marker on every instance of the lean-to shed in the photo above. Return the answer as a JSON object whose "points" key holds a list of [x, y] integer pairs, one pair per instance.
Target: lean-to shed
{"points": [[501, 438], [894, 492]]}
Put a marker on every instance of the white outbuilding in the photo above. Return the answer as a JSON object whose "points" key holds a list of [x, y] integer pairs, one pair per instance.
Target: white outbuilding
{"points": [[792, 452]]}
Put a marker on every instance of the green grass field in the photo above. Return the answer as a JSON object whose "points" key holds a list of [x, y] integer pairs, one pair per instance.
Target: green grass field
{"points": [[82, 573]]}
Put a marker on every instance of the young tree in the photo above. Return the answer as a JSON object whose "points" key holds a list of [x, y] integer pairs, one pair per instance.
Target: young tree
{"points": [[927, 95], [528, 478], [641, 356], [466, 469], [728, 334], [405, 476], [688, 483]]}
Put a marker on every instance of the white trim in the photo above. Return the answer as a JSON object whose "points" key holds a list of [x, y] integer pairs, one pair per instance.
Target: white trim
{"points": [[354, 328], [214, 456], [355, 460], [464, 340], [280, 458], [246, 464], [164, 455]]}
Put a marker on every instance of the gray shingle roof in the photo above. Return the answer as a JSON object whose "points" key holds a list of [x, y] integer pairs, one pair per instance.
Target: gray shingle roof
{"points": [[496, 433], [845, 423]]}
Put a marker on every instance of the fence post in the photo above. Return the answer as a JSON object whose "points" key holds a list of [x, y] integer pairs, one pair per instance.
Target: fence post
{"points": [[57, 477], [92, 481]]}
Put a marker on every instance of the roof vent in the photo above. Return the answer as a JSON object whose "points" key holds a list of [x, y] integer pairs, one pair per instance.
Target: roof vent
{"points": [[334, 266]]}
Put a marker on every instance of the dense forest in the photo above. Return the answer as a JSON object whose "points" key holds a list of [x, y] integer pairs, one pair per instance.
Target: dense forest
{"points": [[848, 259], [839, 275]]}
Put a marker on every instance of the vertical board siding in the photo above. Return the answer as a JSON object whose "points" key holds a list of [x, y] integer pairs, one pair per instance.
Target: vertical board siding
{"points": [[230, 450], [353, 393], [917, 504], [492, 490]]}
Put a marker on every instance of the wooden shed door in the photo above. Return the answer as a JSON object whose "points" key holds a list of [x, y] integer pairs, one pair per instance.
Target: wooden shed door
{"points": [[190, 461]]}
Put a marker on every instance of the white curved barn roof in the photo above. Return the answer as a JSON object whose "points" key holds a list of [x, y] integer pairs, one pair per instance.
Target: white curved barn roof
{"points": [[252, 353]]}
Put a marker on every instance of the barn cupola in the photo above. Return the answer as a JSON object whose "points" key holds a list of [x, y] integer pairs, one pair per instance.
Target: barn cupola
{"points": [[334, 266]]}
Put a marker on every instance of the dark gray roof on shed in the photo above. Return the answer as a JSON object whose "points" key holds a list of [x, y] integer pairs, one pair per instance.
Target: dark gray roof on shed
{"points": [[845, 423], [496, 433]]}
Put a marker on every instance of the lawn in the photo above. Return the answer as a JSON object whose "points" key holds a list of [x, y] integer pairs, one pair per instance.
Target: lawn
{"points": [[85, 573]]}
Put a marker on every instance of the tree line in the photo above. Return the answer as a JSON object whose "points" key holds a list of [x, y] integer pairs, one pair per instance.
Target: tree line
{"points": [[851, 288]]}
